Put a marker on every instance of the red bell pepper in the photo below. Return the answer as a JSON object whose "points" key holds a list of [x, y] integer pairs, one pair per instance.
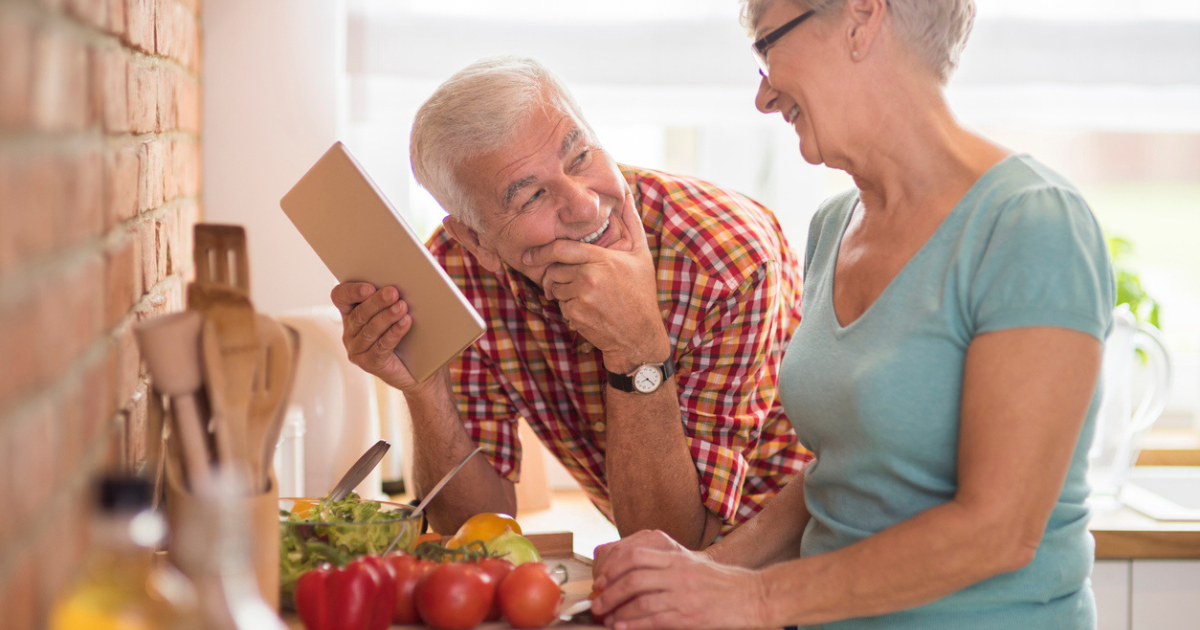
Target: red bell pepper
{"points": [[356, 597]]}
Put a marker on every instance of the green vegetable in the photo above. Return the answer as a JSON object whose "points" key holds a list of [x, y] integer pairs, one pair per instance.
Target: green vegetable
{"points": [[336, 531], [513, 547]]}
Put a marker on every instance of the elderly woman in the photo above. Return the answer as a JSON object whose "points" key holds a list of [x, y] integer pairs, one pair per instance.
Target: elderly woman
{"points": [[944, 371]]}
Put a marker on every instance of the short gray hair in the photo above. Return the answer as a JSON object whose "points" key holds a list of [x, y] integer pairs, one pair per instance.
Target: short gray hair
{"points": [[475, 112], [935, 31]]}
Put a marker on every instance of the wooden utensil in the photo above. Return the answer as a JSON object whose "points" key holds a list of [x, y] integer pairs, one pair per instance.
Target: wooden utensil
{"points": [[219, 254], [230, 349], [272, 388], [221, 294], [170, 344]]}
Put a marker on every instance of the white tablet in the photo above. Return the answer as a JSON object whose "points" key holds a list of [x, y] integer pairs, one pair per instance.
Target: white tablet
{"points": [[361, 238]]}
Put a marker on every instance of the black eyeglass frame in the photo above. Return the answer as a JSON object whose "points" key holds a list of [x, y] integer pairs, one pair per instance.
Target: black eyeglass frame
{"points": [[764, 43]]}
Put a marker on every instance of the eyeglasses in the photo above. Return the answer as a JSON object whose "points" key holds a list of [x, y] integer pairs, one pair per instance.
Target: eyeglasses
{"points": [[761, 46]]}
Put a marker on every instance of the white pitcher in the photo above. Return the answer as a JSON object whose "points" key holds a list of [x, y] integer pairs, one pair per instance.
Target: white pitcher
{"points": [[1119, 427]]}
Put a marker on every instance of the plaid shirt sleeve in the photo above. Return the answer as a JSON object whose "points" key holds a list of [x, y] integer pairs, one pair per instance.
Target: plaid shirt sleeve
{"points": [[731, 277], [727, 388], [485, 407], [486, 412]]}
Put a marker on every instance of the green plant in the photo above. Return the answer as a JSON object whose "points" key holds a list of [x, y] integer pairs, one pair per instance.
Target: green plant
{"points": [[1129, 286]]}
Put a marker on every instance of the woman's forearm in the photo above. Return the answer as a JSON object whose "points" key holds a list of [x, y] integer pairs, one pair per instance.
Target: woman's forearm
{"points": [[772, 536], [930, 556]]}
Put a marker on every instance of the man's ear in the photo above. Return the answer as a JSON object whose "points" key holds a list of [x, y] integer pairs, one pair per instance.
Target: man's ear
{"points": [[469, 238]]}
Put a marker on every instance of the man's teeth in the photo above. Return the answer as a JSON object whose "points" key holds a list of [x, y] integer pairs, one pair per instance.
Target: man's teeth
{"points": [[591, 238], [793, 113]]}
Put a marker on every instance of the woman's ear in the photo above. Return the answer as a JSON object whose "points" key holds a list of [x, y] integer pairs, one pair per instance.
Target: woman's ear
{"points": [[469, 238], [866, 20]]}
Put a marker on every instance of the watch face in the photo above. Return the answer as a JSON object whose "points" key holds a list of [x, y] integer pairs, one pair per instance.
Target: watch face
{"points": [[647, 379]]}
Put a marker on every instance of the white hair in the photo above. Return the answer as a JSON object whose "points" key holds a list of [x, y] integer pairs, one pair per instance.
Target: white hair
{"points": [[475, 112], [934, 30]]}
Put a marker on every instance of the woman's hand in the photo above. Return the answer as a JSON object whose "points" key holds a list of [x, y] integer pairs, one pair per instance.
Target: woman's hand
{"points": [[649, 581]]}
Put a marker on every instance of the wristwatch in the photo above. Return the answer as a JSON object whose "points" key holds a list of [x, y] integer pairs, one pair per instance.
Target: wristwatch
{"points": [[645, 378]]}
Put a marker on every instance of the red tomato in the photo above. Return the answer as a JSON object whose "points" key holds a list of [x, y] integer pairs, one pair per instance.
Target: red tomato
{"points": [[409, 570], [529, 596], [497, 569], [454, 596]]}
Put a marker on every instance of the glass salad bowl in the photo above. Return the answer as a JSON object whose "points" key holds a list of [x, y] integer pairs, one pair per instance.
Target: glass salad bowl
{"points": [[314, 531]]}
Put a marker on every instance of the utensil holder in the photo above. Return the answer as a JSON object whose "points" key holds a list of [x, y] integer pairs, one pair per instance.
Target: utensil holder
{"points": [[262, 527]]}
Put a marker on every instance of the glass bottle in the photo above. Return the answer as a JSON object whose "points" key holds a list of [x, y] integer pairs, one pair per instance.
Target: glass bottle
{"points": [[123, 585]]}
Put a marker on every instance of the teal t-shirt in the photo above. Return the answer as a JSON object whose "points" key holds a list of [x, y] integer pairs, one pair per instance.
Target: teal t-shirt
{"points": [[878, 400]]}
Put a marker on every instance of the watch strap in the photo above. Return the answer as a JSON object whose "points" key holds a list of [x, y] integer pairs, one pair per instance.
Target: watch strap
{"points": [[624, 382]]}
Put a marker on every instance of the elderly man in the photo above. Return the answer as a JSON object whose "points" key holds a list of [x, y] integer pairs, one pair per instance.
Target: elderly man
{"points": [[635, 319]]}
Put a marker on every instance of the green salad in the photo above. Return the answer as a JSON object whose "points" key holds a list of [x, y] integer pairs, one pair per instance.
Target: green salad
{"points": [[335, 532]]}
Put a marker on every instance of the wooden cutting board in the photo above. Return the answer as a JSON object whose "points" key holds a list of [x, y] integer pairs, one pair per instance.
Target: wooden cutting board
{"points": [[557, 548]]}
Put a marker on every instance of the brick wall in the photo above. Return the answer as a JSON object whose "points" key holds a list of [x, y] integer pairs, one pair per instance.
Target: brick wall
{"points": [[99, 185]]}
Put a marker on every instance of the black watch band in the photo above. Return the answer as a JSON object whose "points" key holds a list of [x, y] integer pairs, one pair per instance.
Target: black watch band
{"points": [[625, 383]]}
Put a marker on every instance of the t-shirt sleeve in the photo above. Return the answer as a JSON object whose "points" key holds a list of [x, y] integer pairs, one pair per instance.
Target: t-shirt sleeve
{"points": [[727, 379], [487, 413], [1045, 263]]}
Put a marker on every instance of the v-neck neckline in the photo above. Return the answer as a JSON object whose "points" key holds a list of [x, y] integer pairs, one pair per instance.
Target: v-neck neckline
{"points": [[952, 216]]}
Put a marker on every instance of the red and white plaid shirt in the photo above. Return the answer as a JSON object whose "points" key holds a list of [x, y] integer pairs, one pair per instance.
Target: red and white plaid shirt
{"points": [[729, 289]]}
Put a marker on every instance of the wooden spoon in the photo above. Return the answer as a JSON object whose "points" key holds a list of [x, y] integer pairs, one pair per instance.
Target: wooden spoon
{"points": [[272, 388], [230, 349]]}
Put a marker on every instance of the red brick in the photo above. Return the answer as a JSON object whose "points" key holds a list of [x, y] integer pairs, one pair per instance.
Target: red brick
{"points": [[32, 195], [36, 459], [99, 396], [151, 174], [148, 252], [21, 338], [164, 27], [18, 590], [121, 180], [186, 38], [16, 71], [187, 102], [8, 487], [60, 83], [123, 286], [116, 18], [128, 367], [73, 308], [82, 213], [91, 12], [139, 25], [142, 95], [168, 112], [109, 92]]}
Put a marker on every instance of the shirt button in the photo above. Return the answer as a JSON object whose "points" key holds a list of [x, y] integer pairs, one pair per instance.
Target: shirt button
{"points": [[585, 347], [598, 427]]}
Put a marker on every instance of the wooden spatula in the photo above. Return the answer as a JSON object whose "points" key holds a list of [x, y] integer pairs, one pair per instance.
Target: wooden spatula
{"points": [[230, 348], [268, 398], [219, 255]]}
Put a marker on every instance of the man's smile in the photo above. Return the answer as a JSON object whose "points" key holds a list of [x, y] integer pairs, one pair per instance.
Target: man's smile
{"points": [[591, 238]]}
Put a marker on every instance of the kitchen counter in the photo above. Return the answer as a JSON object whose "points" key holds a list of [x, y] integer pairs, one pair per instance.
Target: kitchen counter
{"points": [[1127, 533]]}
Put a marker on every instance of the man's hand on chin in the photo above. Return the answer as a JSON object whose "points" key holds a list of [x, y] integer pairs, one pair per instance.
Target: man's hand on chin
{"points": [[609, 295]]}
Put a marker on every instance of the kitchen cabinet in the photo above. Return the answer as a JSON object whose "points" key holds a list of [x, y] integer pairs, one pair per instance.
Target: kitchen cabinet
{"points": [[1145, 594]]}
